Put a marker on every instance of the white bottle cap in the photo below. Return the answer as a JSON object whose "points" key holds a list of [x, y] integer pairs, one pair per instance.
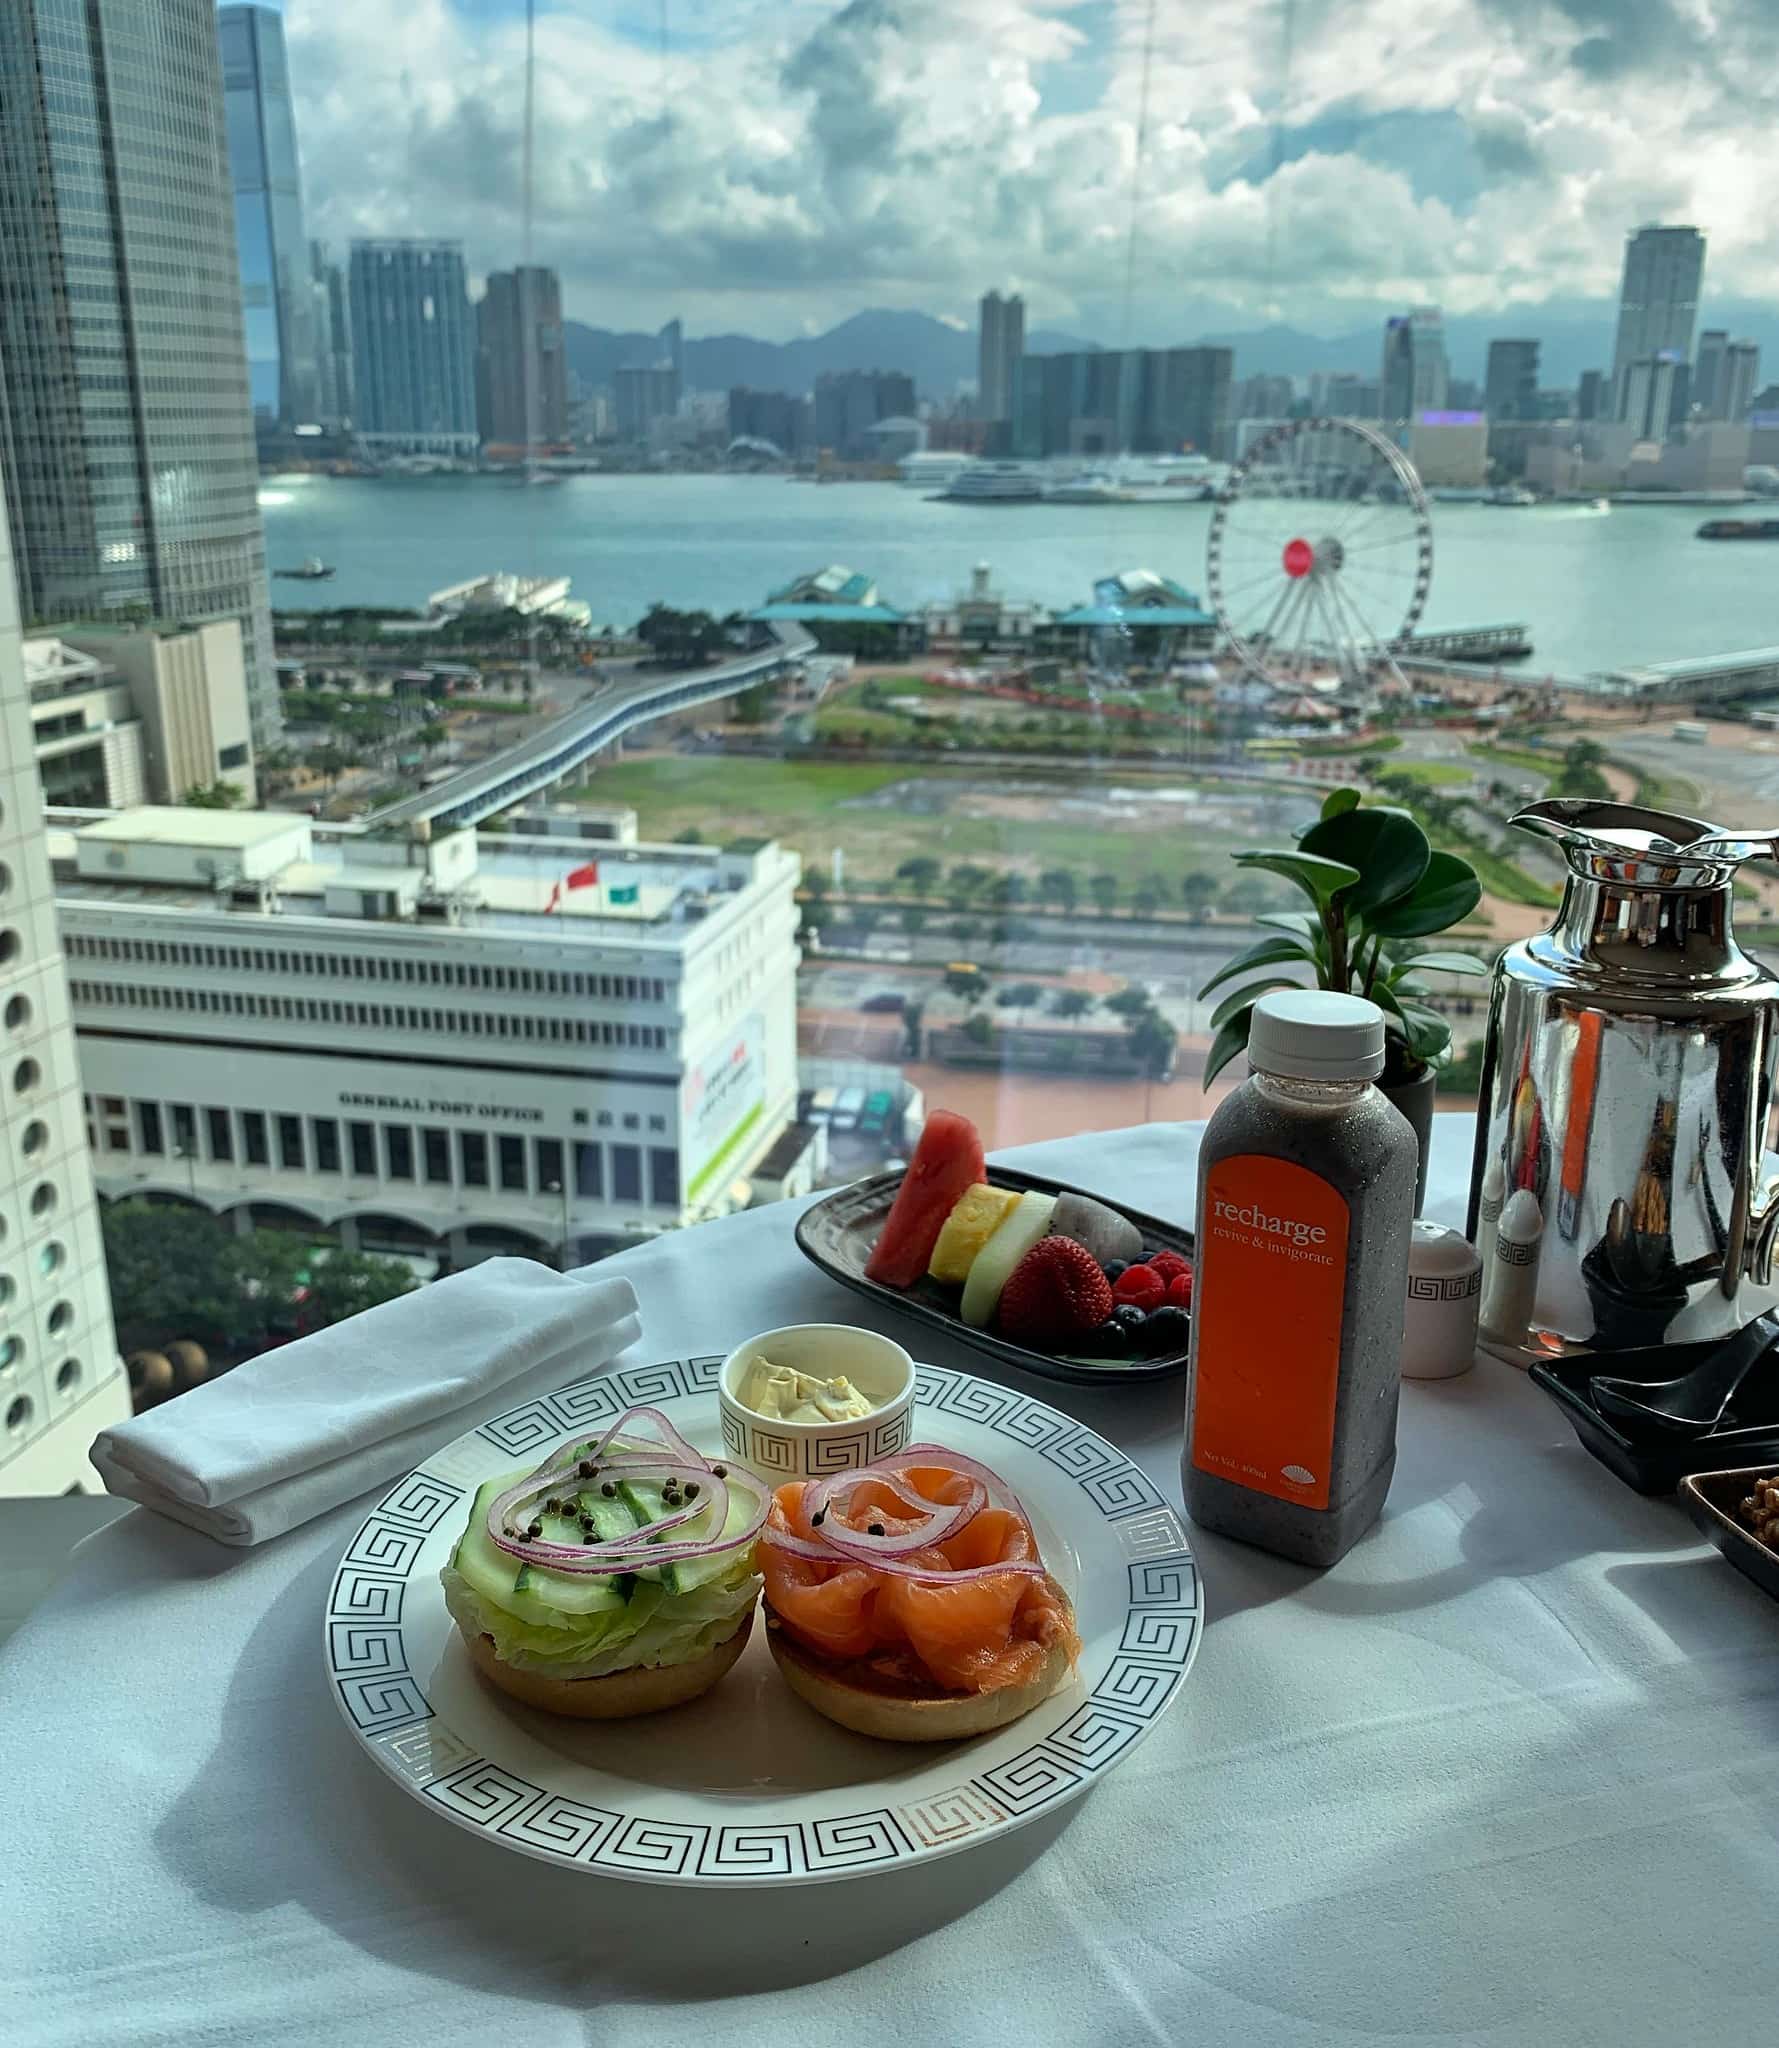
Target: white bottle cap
{"points": [[1316, 1034]]}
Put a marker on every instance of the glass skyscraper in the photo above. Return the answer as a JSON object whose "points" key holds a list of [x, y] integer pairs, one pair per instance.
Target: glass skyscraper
{"points": [[125, 430], [413, 348], [1658, 302], [277, 296]]}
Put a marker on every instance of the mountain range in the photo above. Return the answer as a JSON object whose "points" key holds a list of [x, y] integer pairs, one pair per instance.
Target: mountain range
{"points": [[940, 355]]}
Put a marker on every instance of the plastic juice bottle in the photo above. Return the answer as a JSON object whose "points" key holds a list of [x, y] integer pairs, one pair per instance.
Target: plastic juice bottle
{"points": [[1306, 1194]]}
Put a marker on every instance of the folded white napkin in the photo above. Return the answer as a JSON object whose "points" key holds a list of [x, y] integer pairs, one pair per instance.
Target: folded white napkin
{"points": [[296, 1431]]}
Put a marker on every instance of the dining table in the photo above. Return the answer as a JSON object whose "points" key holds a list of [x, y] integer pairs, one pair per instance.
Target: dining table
{"points": [[1506, 1774]]}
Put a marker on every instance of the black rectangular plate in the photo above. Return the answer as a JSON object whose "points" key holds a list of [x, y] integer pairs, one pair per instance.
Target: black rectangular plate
{"points": [[1712, 1499], [838, 1233], [1649, 1467]]}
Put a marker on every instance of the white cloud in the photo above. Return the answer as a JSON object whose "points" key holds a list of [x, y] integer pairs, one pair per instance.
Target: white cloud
{"points": [[786, 164]]}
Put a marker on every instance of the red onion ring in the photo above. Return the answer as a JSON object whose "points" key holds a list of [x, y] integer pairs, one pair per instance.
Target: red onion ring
{"points": [[637, 1457], [852, 1549]]}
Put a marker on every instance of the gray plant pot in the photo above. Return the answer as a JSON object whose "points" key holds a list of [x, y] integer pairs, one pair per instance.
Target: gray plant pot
{"points": [[1415, 1100]]}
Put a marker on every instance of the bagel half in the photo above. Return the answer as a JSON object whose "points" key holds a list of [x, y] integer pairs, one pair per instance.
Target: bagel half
{"points": [[855, 1696], [644, 1689]]}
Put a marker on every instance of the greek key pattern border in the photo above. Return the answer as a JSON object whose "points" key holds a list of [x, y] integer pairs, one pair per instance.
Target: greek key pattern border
{"points": [[368, 1666]]}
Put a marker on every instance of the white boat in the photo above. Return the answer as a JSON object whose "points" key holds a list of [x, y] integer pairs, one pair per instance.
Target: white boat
{"points": [[1511, 494], [933, 469], [1001, 483], [1088, 487], [1601, 505]]}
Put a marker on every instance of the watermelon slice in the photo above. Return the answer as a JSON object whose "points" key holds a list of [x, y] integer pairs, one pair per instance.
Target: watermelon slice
{"points": [[947, 1161]]}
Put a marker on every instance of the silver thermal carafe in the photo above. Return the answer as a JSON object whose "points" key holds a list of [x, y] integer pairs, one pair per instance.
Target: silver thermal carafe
{"points": [[1626, 1085]]}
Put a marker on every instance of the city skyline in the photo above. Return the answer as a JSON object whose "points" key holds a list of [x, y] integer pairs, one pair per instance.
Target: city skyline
{"points": [[125, 423], [1447, 163]]}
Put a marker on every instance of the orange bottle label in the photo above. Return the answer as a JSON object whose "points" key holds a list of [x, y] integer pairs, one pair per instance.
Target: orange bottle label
{"points": [[1268, 1292]]}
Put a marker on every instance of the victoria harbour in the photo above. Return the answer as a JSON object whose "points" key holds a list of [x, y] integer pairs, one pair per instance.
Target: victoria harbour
{"points": [[1598, 589]]}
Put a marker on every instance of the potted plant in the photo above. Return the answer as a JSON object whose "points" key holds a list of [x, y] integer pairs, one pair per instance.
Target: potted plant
{"points": [[1377, 890]]}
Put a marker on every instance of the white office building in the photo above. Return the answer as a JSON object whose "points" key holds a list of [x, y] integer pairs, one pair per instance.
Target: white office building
{"points": [[60, 1378], [406, 1044]]}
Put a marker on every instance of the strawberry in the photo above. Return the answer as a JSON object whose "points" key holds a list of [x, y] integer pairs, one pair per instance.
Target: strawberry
{"points": [[1170, 1265], [1141, 1286], [1055, 1293], [1179, 1290]]}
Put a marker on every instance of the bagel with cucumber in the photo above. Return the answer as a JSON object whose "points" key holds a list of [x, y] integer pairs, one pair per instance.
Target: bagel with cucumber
{"points": [[616, 1578]]}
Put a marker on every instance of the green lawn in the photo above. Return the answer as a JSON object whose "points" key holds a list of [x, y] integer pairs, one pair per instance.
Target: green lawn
{"points": [[1432, 774], [812, 806], [1544, 766]]}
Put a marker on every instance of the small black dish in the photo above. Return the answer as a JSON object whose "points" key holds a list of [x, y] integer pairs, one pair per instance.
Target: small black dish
{"points": [[1714, 1500], [838, 1233], [1658, 1464]]}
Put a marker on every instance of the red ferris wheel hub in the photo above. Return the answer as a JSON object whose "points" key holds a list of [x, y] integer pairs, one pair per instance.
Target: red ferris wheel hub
{"points": [[1300, 558]]}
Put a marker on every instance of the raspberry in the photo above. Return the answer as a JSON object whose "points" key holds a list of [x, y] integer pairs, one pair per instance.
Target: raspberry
{"points": [[1141, 1286], [1170, 1265], [1055, 1293], [1179, 1290]]}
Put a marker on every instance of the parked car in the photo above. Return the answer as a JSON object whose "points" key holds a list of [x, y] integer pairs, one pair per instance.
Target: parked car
{"points": [[848, 1107], [875, 1119], [883, 1000]]}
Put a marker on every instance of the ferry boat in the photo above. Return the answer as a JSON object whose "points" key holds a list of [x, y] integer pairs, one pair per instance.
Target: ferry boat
{"points": [[933, 469], [314, 570], [1739, 529], [998, 483], [1088, 487]]}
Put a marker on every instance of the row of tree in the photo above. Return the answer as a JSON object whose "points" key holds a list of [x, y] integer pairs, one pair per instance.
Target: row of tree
{"points": [[177, 1272], [1153, 1039]]}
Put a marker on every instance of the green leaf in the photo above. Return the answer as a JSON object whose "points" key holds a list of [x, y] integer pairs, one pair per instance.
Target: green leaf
{"points": [[1231, 1038], [1263, 953], [1388, 848], [1447, 892], [1438, 963], [1299, 921], [1321, 880], [1338, 802], [1423, 1031], [1245, 997]]}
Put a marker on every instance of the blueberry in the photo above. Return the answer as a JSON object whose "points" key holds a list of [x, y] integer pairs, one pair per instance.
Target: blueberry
{"points": [[1114, 1269], [1130, 1318], [1110, 1340], [1168, 1332]]}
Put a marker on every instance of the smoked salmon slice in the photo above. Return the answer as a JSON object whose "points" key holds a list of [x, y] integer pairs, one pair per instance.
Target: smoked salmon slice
{"points": [[969, 1635]]}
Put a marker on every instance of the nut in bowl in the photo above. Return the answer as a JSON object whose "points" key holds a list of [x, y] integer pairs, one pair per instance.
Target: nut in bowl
{"points": [[812, 1399]]}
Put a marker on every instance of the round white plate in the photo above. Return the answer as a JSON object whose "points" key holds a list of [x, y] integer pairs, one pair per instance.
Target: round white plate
{"points": [[747, 1786]]}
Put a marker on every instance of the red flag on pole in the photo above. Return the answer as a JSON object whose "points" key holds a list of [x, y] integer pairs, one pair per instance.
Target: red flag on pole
{"points": [[576, 878]]}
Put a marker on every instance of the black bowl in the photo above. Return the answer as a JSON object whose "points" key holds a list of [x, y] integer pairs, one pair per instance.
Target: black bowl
{"points": [[1714, 1500], [1658, 1463]]}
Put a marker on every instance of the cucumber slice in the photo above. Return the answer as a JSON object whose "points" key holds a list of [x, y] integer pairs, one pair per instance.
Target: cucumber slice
{"points": [[1025, 1223], [527, 1591]]}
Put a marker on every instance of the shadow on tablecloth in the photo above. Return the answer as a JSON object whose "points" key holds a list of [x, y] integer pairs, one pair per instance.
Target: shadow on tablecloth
{"points": [[402, 1884]]}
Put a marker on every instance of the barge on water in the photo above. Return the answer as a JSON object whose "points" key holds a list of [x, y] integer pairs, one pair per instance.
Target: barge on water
{"points": [[1739, 529]]}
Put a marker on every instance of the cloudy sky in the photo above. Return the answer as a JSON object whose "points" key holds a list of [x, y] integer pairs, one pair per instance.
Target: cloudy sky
{"points": [[774, 165]]}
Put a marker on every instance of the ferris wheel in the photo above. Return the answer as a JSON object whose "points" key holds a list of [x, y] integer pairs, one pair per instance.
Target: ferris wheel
{"points": [[1320, 554]]}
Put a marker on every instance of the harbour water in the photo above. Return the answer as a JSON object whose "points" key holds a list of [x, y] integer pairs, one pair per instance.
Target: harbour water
{"points": [[1599, 589]]}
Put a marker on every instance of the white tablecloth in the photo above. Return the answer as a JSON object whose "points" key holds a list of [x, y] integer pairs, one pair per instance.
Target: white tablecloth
{"points": [[1508, 1774]]}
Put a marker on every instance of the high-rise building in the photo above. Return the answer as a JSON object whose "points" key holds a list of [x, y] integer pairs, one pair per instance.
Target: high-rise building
{"points": [[1510, 383], [60, 1378], [1123, 402], [1000, 342], [125, 427], [849, 403], [1737, 383], [773, 416], [521, 371], [277, 298], [333, 330], [413, 349], [1653, 397], [1343, 394], [1415, 375], [1263, 398], [1590, 394], [1658, 302], [1708, 368]]}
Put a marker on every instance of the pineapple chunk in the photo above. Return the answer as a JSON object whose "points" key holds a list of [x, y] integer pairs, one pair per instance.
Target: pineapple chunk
{"points": [[979, 1213]]}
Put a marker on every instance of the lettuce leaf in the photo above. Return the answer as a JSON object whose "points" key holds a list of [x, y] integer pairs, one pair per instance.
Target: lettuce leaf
{"points": [[653, 1627]]}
